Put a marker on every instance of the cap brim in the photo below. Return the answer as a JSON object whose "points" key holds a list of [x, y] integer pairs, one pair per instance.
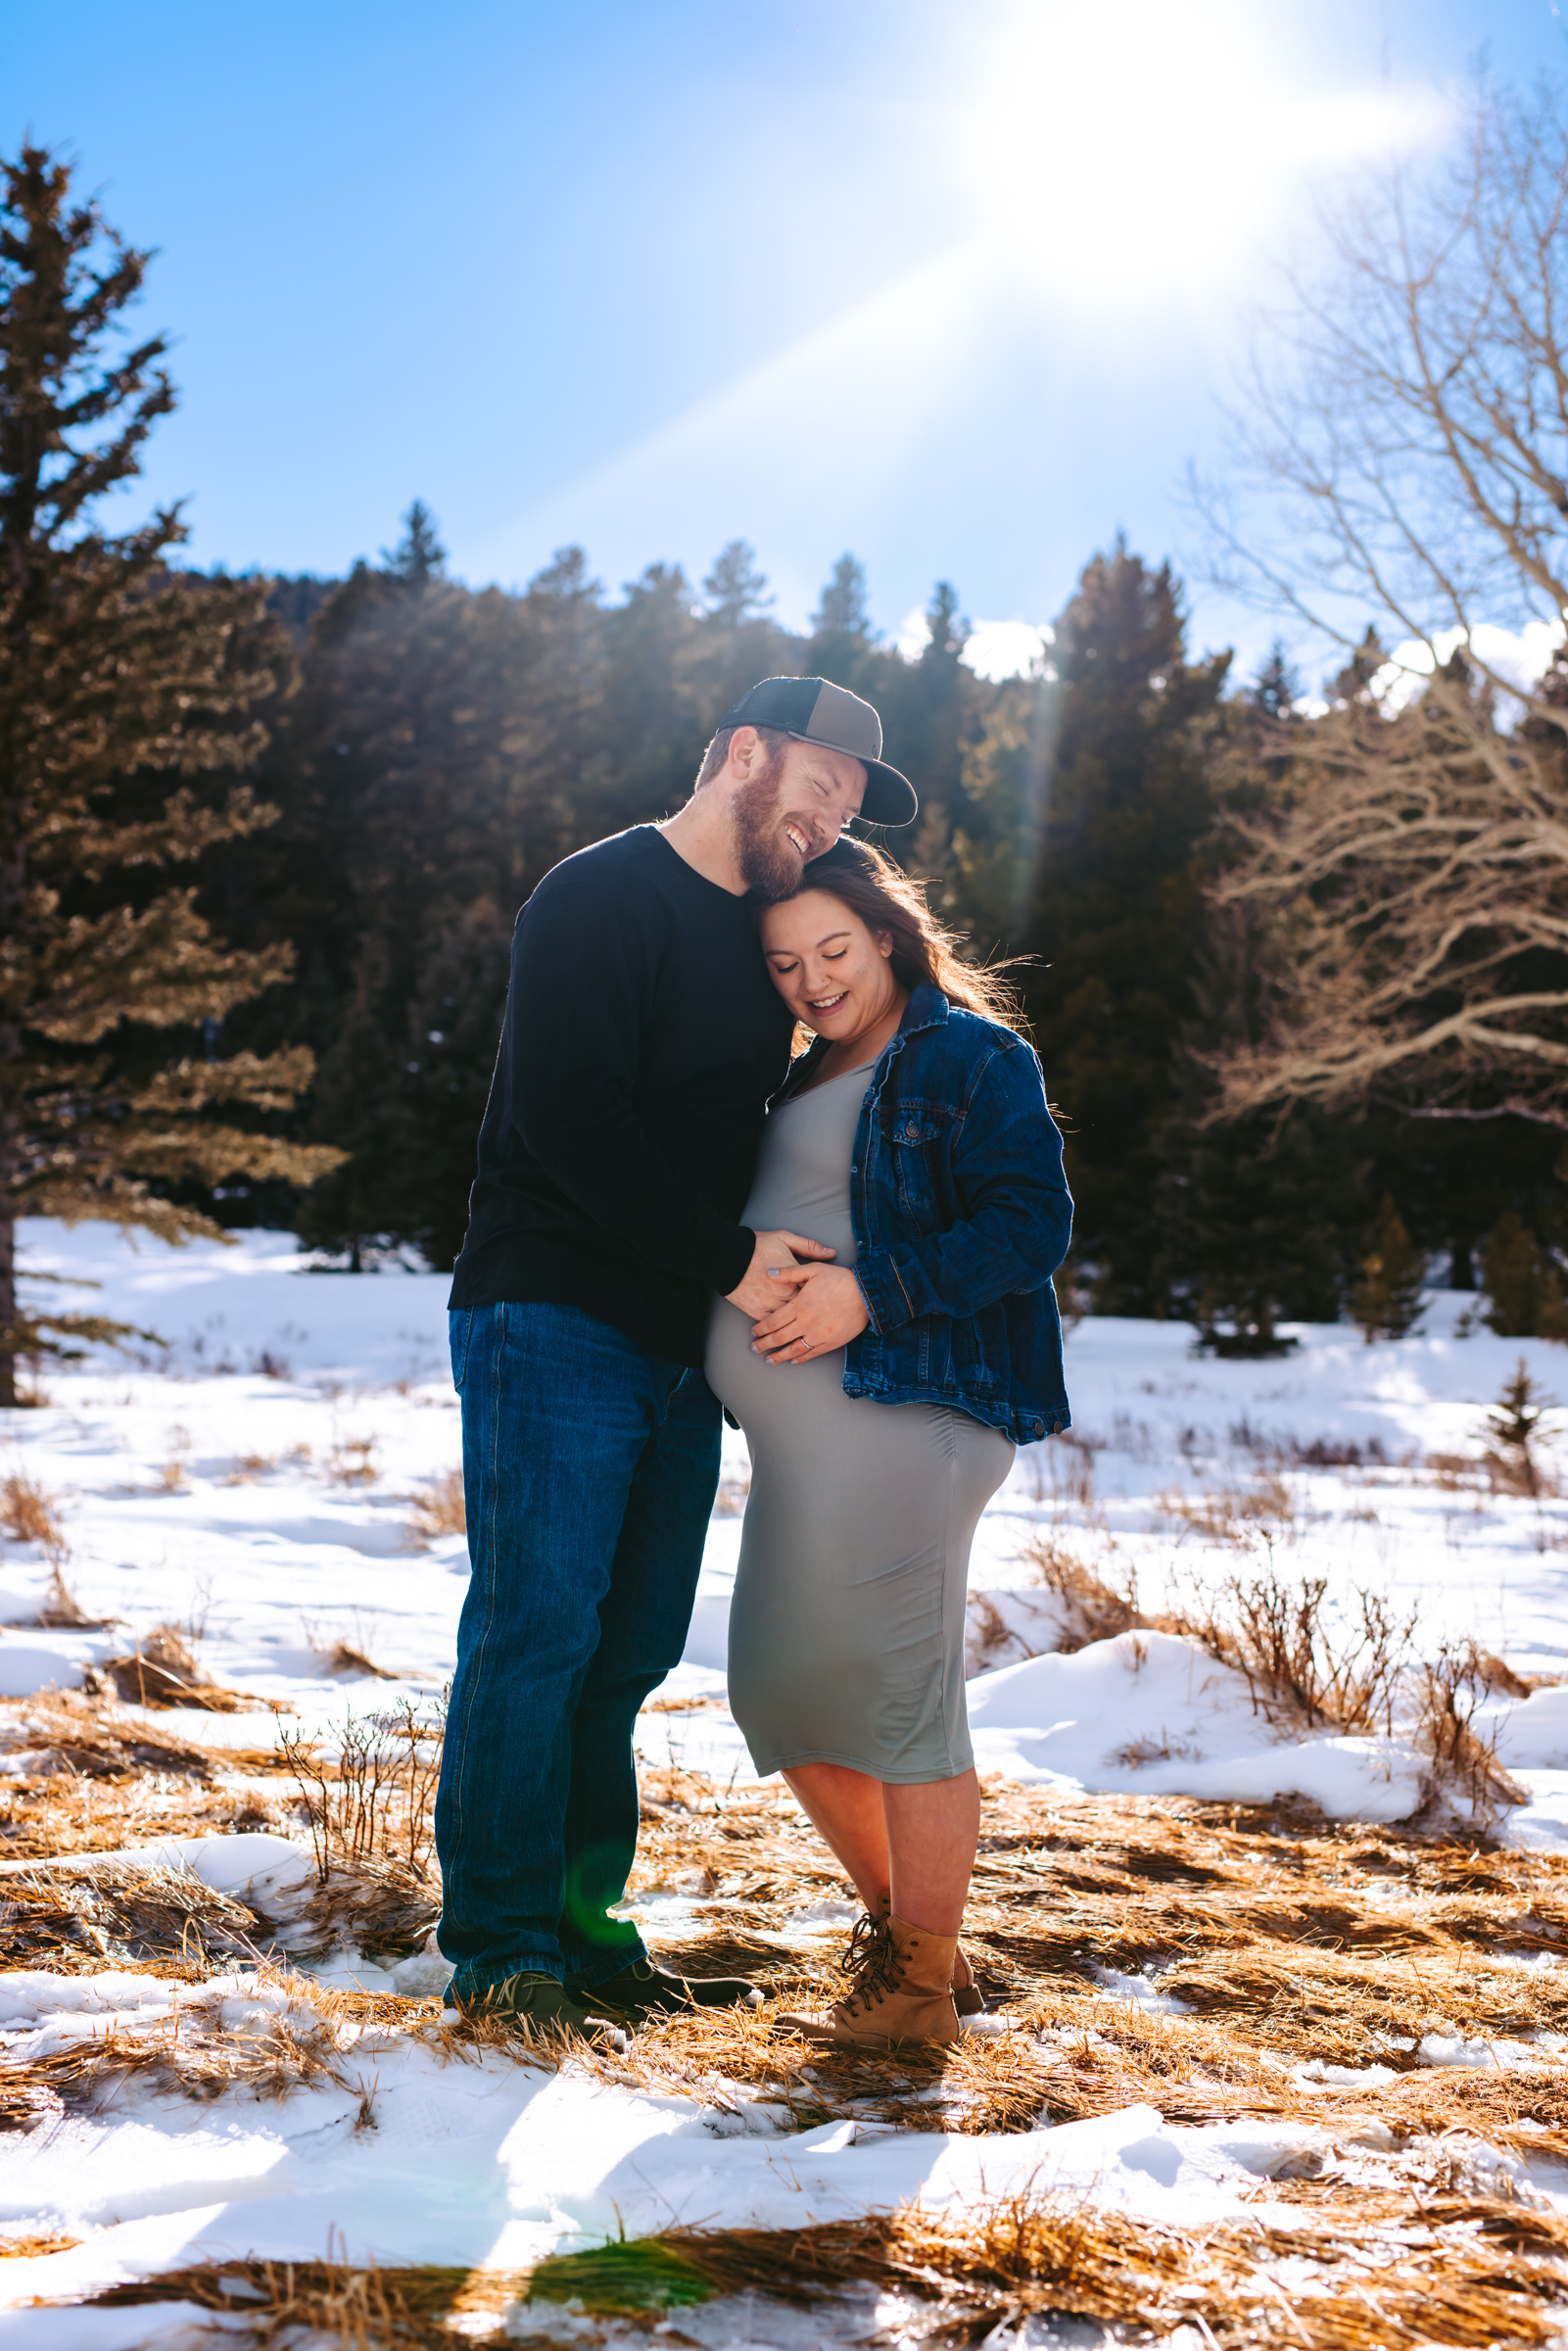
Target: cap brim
{"points": [[889, 797]]}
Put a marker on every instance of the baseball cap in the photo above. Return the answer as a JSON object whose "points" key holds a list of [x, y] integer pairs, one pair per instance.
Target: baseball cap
{"points": [[813, 711]]}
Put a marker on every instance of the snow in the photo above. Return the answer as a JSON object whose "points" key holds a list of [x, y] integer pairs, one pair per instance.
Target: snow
{"points": [[255, 1484], [486, 2161], [255, 1480]]}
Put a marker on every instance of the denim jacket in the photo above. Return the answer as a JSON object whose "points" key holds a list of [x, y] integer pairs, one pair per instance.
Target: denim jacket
{"points": [[962, 1214]]}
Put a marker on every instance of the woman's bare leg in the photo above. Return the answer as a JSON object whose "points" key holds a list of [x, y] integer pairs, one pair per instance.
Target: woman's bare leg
{"points": [[845, 1808], [908, 1847], [932, 1831]]}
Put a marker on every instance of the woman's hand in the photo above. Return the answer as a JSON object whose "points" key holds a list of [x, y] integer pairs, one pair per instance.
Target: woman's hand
{"points": [[826, 1310]]}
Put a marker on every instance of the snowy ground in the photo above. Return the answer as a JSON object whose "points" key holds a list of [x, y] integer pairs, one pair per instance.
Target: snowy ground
{"points": [[256, 1484], [257, 1489]]}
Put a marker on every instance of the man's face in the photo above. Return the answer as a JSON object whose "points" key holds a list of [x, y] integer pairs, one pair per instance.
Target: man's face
{"points": [[791, 809]]}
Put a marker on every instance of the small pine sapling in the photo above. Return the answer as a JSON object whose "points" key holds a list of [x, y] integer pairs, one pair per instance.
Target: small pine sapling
{"points": [[1386, 1300], [1514, 1424]]}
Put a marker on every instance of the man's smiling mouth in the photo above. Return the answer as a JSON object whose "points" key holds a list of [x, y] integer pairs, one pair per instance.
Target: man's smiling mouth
{"points": [[798, 838]]}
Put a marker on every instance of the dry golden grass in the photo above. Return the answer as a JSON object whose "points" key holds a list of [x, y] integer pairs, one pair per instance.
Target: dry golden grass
{"points": [[249, 1466], [266, 2302], [1459, 2271], [439, 1510], [1234, 1516], [94, 1779], [1289, 1938], [27, 1513], [352, 1461], [163, 1671]]}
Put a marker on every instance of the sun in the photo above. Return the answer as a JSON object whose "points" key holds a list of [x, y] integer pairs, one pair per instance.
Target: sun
{"points": [[1147, 152]]}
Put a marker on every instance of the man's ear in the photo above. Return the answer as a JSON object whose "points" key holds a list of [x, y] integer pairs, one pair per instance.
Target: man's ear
{"points": [[745, 746]]}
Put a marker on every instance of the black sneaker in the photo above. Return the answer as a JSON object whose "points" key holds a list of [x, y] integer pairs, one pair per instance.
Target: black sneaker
{"points": [[544, 2003], [643, 1989]]}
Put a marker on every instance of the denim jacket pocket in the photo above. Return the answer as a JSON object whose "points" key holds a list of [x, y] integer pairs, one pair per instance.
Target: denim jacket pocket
{"points": [[460, 1331], [914, 1143]]}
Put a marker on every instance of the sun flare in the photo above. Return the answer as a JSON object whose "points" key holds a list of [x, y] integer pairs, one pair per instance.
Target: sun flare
{"points": [[1146, 152]]}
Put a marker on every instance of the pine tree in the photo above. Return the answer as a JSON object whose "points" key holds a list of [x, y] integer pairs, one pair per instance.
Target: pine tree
{"points": [[1386, 1300], [1515, 1422], [118, 678], [735, 587], [418, 555], [1248, 1213], [1521, 1283], [738, 638], [843, 644], [1124, 799], [1276, 689]]}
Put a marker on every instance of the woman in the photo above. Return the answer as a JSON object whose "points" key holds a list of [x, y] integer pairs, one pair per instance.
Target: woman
{"points": [[881, 1406]]}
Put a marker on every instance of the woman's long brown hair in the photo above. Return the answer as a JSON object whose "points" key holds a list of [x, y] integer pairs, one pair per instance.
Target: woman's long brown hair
{"points": [[886, 899]]}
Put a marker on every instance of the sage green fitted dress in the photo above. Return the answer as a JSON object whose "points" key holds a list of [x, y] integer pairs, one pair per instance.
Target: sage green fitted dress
{"points": [[846, 1629]]}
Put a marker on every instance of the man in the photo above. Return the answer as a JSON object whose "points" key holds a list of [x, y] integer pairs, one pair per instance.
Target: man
{"points": [[641, 1039]]}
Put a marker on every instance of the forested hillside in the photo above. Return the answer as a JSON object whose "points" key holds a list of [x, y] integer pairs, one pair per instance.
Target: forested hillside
{"points": [[438, 749]]}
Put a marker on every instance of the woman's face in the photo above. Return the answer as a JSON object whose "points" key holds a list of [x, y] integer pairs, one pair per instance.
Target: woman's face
{"points": [[831, 970]]}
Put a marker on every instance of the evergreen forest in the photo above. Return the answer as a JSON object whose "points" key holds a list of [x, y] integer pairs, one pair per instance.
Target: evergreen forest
{"points": [[265, 840]]}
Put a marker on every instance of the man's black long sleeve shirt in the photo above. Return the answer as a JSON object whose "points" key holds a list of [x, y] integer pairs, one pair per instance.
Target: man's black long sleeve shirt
{"points": [[641, 1039]]}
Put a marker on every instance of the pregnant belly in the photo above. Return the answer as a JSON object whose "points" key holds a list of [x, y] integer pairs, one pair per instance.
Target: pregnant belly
{"points": [[766, 1398]]}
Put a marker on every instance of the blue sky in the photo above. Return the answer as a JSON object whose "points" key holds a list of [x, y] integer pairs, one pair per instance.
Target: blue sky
{"points": [[955, 288]]}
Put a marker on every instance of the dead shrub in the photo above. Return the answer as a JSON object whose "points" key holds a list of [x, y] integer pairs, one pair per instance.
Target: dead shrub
{"points": [[375, 1801], [439, 1510], [1298, 1674], [1092, 1608], [1337, 1453], [28, 1515], [989, 1635], [1453, 1685], [62, 1609]]}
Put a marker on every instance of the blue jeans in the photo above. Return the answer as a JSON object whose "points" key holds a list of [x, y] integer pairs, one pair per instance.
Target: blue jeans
{"points": [[589, 1474]]}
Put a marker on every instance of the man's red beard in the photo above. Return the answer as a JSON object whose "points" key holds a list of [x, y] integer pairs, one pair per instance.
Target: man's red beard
{"points": [[769, 866]]}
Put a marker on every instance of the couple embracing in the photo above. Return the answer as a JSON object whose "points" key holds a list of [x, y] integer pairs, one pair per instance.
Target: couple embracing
{"points": [[850, 1252]]}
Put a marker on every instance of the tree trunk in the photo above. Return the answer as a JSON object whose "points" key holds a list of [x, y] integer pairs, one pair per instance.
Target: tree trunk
{"points": [[13, 888]]}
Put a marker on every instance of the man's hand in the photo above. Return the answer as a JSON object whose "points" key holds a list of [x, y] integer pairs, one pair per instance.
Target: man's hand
{"points": [[769, 1280], [828, 1310]]}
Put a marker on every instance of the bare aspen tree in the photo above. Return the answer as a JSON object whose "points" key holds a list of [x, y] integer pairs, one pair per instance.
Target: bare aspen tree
{"points": [[1407, 422]]}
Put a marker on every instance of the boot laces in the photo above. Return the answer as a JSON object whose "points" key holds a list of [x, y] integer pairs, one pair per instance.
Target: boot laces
{"points": [[872, 1963]]}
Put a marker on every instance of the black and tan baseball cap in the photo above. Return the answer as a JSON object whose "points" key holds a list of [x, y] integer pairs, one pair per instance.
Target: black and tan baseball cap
{"points": [[814, 711]]}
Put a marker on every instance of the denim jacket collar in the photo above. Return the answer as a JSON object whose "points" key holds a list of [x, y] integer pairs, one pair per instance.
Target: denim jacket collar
{"points": [[927, 1008]]}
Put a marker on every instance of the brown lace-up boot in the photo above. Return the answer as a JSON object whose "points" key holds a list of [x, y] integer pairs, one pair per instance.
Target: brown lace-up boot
{"points": [[901, 1991], [967, 1998]]}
